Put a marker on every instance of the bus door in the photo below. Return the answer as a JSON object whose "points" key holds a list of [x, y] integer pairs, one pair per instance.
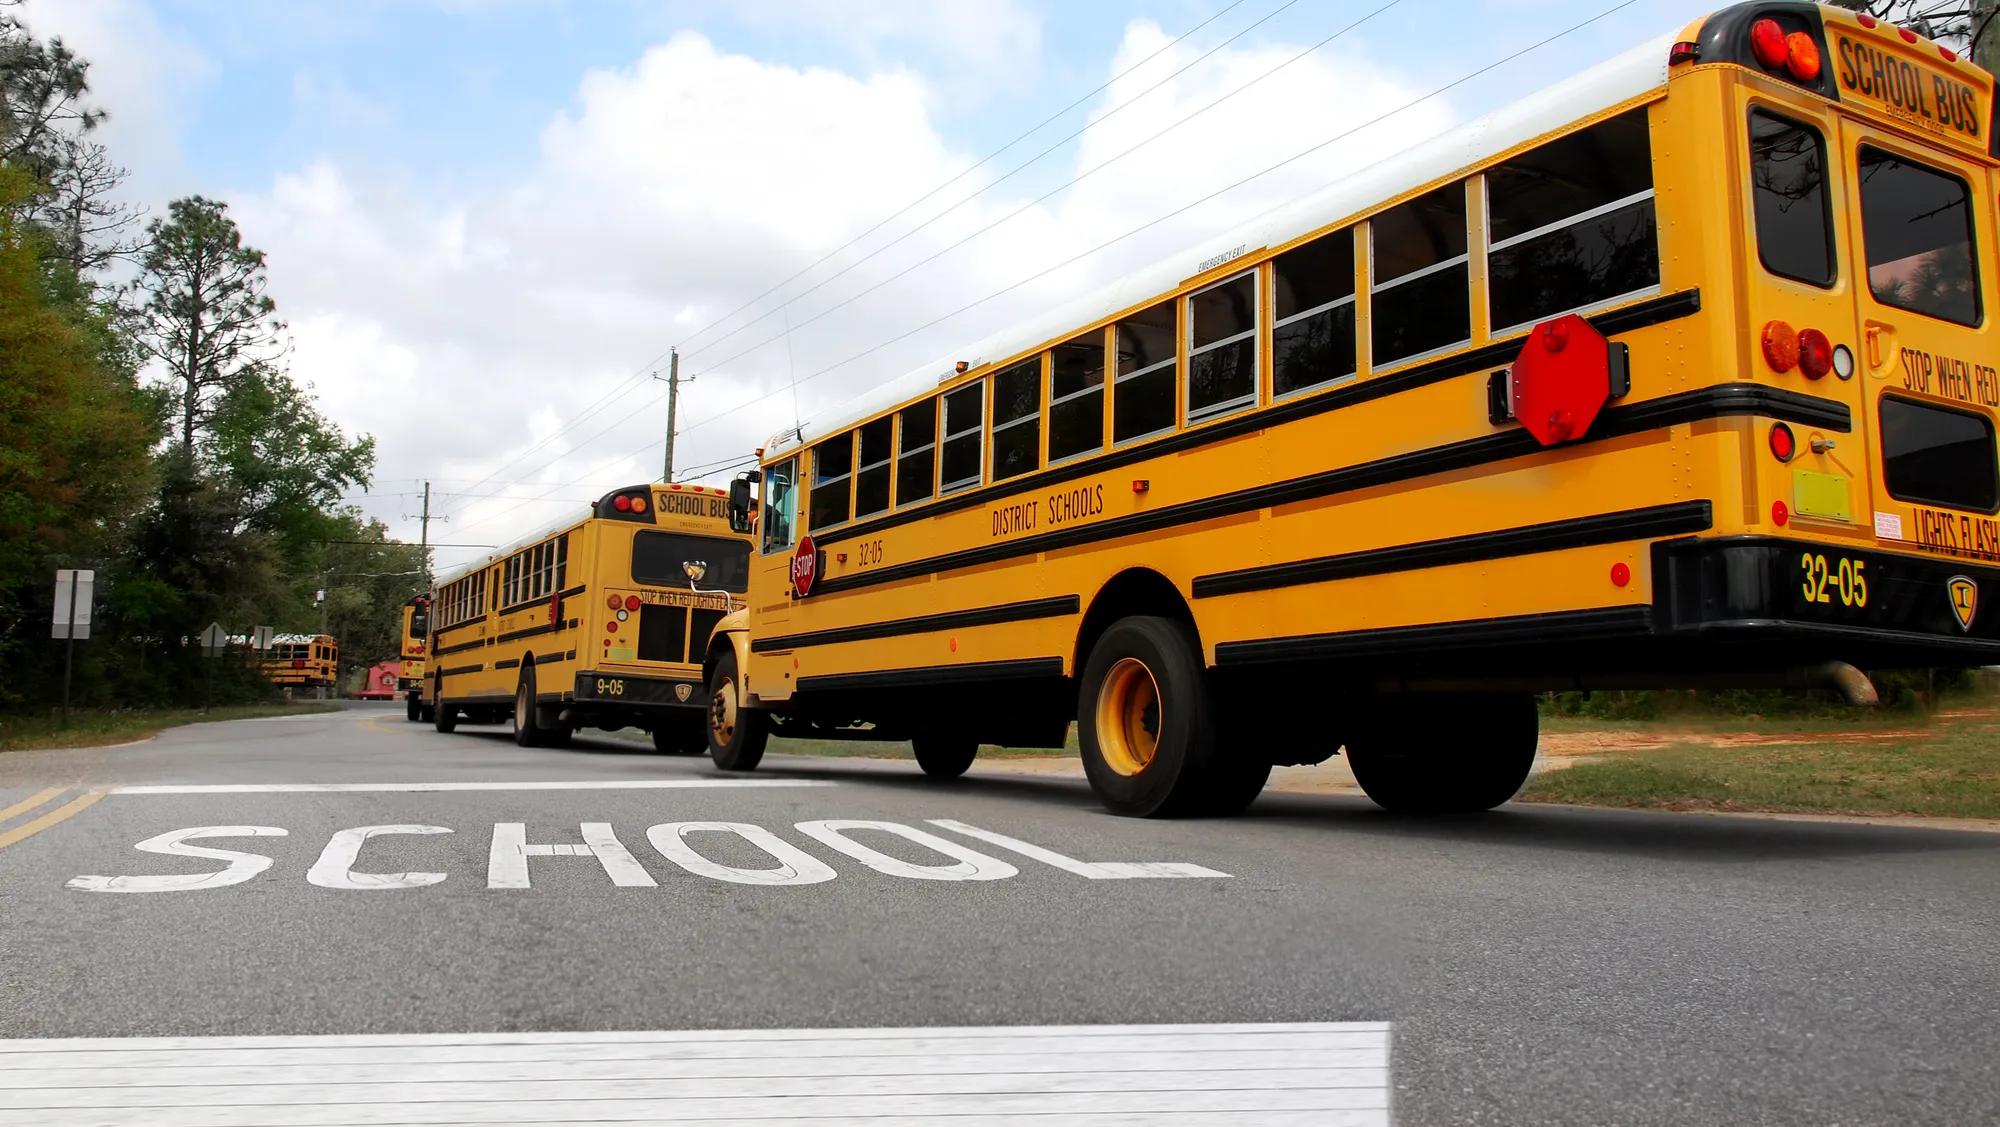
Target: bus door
{"points": [[777, 530], [1922, 222]]}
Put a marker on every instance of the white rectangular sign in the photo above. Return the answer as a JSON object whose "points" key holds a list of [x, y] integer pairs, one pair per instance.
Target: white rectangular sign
{"points": [[74, 589]]}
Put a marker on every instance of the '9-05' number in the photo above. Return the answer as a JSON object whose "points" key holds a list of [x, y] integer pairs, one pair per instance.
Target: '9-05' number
{"points": [[610, 688], [1824, 582]]}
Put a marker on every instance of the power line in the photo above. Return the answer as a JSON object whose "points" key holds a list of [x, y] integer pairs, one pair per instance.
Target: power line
{"points": [[1044, 197], [1177, 211]]}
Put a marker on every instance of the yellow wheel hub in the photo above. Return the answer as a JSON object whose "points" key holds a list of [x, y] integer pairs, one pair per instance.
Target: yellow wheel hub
{"points": [[1128, 717], [722, 713]]}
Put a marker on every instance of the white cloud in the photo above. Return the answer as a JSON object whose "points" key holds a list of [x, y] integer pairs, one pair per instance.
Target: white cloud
{"points": [[460, 331]]}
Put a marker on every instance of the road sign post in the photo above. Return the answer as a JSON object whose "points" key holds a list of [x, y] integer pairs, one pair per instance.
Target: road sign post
{"points": [[213, 640], [71, 620]]}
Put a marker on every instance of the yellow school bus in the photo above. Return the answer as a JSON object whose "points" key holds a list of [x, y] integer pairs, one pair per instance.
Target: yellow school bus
{"points": [[1679, 372], [410, 677], [302, 661], [598, 622]]}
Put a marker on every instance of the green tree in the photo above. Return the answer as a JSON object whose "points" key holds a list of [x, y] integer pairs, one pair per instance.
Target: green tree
{"points": [[205, 315]]}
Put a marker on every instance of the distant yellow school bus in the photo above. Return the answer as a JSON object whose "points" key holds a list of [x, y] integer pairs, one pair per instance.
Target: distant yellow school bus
{"points": [[599, 622], [1682, 371], [410, 676], [302, 661]]}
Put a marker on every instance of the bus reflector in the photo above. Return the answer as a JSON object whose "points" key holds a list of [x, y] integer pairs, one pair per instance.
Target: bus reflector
{"points": [[1802, 56], [1621, 574], [1780, 515], [1815, 353], [1781, 346], [1783, 444], [1767, 42]]}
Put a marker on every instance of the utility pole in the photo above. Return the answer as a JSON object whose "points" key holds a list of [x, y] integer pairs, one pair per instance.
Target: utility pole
{"points": [[325, 577], [424, 538], [674, 382], [1986, 36]]}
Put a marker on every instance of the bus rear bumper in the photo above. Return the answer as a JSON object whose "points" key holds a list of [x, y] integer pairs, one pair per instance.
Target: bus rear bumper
{"points": [[622, 699]]}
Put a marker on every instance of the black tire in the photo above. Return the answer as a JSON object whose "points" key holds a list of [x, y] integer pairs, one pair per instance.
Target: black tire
{"points": [[1156, 759], [444, 717], [528, 730], [425, 714], [736, 734], [557, 737], [944, 756], [1444, 753], [413, 709]]}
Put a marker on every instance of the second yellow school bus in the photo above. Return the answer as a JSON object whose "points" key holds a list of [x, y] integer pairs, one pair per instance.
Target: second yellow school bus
{"points": [[1682, 371], [416, 636], [600, 621]]}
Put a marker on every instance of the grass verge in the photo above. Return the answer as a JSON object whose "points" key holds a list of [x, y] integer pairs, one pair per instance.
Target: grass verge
{"points": [[92, 729], [1952, 772]]}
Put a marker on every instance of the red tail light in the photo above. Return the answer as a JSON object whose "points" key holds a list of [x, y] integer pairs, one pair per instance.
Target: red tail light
{"points": [[631, 602], [1815, 353], [1767, 42], [613, 601], [1783, 445], [622, 503], [298, 665], [1781, 346]]}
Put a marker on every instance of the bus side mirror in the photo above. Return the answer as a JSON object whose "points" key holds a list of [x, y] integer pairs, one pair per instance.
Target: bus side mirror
{"points": [[739, 505]]}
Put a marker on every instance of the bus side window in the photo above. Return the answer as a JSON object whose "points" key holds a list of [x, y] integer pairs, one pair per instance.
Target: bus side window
{"points": [[833, 466], [1076, 397], [780, 500], [1142, 402], [1422, 288], [1017, 419], [1222, 347], [1571, 224], [1313, 342], [964, 425], [871, 479], [916, 453], [1788, 181]]}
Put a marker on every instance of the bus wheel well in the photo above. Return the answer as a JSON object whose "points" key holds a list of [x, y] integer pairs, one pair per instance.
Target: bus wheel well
{"points": [[1134, 591]]}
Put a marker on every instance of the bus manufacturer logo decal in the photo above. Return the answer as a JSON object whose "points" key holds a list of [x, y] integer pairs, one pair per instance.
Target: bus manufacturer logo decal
{"points": [[683, 692], [805, 566], [1964, 600]]}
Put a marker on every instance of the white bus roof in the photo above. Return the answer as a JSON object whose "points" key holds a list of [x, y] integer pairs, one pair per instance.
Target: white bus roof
{"points": [[1611, 83]]}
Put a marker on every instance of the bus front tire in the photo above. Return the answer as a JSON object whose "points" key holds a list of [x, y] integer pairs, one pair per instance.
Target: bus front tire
{"points": [[1146, 723], [944, 756], [528, 732], [736, 734], [1445, 753]]}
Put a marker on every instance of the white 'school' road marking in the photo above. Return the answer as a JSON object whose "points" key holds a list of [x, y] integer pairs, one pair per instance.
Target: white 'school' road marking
{"points": [[354, 788], [1330, 1074]]}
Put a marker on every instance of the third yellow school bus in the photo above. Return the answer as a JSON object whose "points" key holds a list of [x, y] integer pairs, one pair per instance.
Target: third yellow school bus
{"points": [[599, 621], [1681, 371]]}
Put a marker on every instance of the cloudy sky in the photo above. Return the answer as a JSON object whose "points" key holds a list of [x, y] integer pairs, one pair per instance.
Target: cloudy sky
{"points": [[488, 220]]}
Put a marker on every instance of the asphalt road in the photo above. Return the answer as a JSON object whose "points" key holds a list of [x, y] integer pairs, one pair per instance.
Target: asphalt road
{"points": [[1539, 965]]}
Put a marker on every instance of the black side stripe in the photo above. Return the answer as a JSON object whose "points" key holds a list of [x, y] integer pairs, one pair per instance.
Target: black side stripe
{"points": [[1558, 626], [1659, 310], [573, 592], [461, 647], [927, 623], [508, 663], [459, 670], [530, 632], [1691, 406], [1021, 669], [1552, 536]]}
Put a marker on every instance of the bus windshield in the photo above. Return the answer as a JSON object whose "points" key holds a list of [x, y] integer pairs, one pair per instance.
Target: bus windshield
{"points": [[675, 559]]}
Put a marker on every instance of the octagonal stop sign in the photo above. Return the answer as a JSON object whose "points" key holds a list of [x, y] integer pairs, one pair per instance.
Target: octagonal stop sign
{"points": [[1561, 380]]}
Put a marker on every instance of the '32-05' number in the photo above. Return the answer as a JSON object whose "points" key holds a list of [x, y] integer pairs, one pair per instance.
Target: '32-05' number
{"points": [[1843, 580]]}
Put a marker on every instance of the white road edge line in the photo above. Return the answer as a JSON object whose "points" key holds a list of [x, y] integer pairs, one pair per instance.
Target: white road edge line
{"points": [[350, 788]]}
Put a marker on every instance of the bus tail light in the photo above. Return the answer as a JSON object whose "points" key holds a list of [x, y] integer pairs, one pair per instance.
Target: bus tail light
{"points": [[622, 503], [1768, 43], [632, 602], [613, 601], [1783, 444], [1815, 354], [1802, 56], [638, 504], [1781, 346]]}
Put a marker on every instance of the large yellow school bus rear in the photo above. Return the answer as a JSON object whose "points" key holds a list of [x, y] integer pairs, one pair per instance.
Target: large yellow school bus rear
{"points": [[1679, 372], [600, 621]]}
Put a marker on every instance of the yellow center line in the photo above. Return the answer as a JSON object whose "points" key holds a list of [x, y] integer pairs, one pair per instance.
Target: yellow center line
{"points": [[30, 802], [61, 813]]}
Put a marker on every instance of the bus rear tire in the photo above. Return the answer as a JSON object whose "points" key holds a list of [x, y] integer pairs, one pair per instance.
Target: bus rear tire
{"points": [[413, 710], [681, 735], [528, 732], [736, 734], [1445, 754], [944, 756], [1145, 720], [444, 717]]}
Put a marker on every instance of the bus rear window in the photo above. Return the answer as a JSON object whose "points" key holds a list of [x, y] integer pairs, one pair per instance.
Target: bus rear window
{"points": [[1917, 225], [1788, 180], [673, 559], [1939, 456]]}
